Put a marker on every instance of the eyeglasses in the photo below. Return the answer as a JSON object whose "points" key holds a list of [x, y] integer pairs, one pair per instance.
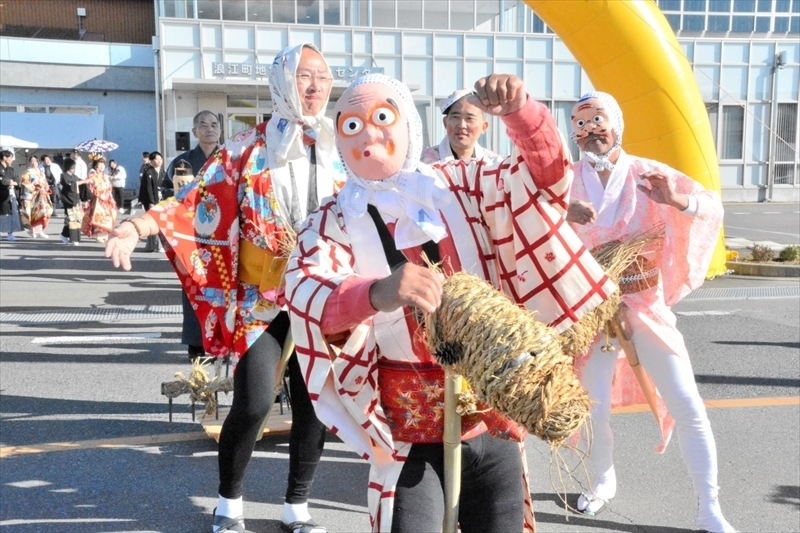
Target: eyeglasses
{"points": [[455, 118], [306, 77]]}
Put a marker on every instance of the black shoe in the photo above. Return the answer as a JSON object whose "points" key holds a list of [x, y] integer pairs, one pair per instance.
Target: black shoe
{"points": [[228, 525]]}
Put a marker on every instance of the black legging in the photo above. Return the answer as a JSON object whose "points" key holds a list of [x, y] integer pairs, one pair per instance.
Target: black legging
{"points": [[253, 397], [491, 488]]}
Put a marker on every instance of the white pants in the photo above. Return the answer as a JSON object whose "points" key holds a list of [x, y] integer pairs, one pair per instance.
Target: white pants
{"points": [[674, 379]]}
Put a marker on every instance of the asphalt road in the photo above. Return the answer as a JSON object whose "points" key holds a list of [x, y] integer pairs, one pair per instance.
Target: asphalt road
{"points": [[86, 445], [776, 222]]}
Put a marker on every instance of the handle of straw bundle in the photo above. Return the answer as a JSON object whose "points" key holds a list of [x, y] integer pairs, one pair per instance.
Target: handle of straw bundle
{"points": [[452, 451], [626, 343]]}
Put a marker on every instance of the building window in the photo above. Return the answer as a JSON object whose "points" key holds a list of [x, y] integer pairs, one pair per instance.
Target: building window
{"points": [[782, 6], [39, 108], [719, 6], [694, 22], [785, 143], [743, 24], [669, 5], [719, 23], [781, 24], [795, 25], [333, 14], [744, 6], [208, 9], [695, 5], [732, 133], [763, 24], [764, 6]]}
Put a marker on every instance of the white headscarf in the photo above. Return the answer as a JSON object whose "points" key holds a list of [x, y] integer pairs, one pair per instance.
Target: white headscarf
{"points": [[614, 112], [285, 133], [414, 194]]}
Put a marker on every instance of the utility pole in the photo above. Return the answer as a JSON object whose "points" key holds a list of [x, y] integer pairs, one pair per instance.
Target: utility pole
{"points": [[777, 64]]}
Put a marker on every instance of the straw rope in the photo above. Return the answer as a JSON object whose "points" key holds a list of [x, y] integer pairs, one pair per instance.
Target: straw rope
{"points": [[521, 367], [200, 387], [516, 365], [614, 258]]}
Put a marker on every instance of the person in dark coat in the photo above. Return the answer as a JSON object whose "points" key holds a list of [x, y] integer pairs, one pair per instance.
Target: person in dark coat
{"points": [[9, 212], [69, 185], [205, 128], [149, 194]]}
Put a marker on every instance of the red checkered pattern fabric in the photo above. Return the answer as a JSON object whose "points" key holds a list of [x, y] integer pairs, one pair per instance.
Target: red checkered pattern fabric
{"points": [[506, 220]]}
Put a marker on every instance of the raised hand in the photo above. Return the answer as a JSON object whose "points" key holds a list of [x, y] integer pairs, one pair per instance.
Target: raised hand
{"points": [[410, 285], [580, 212], [662, 191], [121, 244], [499, 94]]}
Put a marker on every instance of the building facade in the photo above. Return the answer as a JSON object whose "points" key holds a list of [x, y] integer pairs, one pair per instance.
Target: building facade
{"points": [[75, 70], [745, 55], [214, 54]]}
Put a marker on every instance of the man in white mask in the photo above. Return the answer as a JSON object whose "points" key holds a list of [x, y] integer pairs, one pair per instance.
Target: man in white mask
{"points": [[253, 194], [358, 272], [615, 195]]}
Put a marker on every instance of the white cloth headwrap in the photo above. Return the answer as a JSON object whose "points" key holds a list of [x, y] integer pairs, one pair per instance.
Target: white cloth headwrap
{"points": [[414, 194], [614, 112], [285, 134]]}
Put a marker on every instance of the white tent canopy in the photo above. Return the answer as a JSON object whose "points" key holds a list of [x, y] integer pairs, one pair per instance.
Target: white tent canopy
{"points": [[51, 130], [9, 141]]}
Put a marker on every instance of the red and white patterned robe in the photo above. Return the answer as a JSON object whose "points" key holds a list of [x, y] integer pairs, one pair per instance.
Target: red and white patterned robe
{"points": [[505, 222]]}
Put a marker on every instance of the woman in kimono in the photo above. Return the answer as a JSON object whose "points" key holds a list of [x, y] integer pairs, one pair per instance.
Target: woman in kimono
{"points": [[100, 212], [35, 195]]}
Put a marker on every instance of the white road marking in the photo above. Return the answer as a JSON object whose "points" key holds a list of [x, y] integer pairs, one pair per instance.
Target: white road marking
{"points": [[705, 313], [99, 339], [20, 522], [738, 213], [765, 231]]}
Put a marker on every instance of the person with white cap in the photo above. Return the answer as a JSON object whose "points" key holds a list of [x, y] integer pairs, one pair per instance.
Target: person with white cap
{"points": [[615, 195], [358, 276], [464, 123], [225, 234]]}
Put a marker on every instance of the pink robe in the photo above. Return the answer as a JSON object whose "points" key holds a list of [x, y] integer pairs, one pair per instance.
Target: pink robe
{"points": [[506, 220], [684, 260]]}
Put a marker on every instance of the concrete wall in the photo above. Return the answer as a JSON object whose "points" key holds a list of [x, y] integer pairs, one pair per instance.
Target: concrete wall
{"points": [[130, 119]]}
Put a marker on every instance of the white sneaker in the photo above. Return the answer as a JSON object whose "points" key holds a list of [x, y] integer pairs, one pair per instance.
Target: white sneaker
{"points": [[590, 505], [44, 235], [75, 243]]}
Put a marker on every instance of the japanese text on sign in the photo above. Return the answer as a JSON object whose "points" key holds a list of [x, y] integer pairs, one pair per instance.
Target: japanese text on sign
{"points": [[261, 70]]}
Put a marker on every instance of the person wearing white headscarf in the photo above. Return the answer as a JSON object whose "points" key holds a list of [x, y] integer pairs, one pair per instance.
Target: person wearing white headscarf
{"points": [[358, 271], [226, 234], [464, 123], [614, 196]]}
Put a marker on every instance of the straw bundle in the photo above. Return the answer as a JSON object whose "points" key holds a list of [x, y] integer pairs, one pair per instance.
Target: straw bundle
{"points": [[202, 388], [614, 258], [514, 362]]}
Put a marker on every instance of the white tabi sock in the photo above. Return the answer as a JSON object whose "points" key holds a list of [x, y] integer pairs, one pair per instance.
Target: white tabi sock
{"points": [[230, 508], [295, 512]]}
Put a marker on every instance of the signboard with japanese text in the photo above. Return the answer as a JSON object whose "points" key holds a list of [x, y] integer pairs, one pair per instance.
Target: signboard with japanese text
{"points": [[261, 70]]}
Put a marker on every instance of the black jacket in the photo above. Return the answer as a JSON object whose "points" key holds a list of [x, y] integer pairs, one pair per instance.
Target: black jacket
{"points": [[7, 175], [149, 188], [69, 189]]}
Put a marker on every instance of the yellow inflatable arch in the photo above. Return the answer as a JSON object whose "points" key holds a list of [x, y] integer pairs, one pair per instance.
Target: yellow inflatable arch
{"points": [[628, 49]]}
